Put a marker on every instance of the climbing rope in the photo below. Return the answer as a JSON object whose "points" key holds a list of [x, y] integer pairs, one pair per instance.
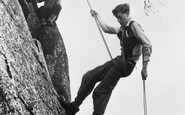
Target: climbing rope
{"points": [[144, 98], [100, 32]]}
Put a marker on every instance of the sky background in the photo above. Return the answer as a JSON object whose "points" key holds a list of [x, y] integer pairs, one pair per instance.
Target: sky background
{"points": [[85, 49]]}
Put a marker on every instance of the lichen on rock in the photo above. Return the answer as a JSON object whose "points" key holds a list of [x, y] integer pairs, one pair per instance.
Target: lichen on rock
{"points": [[31, 77]]}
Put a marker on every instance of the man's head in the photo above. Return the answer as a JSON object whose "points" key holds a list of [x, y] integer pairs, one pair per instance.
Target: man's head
{"points": [[121, 12], [122, 8]]}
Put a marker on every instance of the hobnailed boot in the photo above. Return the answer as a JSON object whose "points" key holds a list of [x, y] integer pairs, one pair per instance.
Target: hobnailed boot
{"points": [[70, 108]]}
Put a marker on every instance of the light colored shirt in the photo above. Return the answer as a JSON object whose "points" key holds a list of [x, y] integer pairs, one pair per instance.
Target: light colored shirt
{"points": [[143, 47]]}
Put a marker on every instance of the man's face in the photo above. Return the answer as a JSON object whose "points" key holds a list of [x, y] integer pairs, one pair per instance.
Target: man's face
{"points": [[122, 18]]}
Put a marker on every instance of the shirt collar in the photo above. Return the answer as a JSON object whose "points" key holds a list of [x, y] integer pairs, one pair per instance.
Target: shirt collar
{"points": [[127, 24]]}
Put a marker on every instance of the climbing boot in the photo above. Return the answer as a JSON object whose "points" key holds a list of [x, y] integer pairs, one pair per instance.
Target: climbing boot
{"points": [[70, 108]]}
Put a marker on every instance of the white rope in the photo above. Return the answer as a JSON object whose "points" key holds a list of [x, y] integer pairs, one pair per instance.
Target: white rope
{"points": [[144, 98], [100, 32]]}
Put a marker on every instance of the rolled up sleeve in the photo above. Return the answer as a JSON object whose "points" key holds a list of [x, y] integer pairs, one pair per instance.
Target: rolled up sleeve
{"points": [[144, 41]]}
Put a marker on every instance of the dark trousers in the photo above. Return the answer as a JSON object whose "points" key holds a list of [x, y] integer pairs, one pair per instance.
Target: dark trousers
{"points": [[109, 74], [44, 12]]}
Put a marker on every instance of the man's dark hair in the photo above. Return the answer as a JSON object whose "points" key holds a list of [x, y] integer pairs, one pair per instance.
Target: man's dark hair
{"points": [[123, 8]]}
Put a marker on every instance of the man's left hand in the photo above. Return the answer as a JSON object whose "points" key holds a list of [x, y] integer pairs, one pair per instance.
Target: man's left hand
{"points": [[144, 73]]}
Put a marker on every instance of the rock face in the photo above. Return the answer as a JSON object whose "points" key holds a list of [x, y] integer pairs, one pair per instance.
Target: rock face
{"points": [[30, 80]]}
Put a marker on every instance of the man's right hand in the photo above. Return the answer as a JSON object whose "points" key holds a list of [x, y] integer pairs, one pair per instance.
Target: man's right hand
{"points": [[93, 13]]}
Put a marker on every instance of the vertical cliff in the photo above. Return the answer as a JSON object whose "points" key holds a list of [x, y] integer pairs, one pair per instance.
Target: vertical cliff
{"points": [[33, 63]]}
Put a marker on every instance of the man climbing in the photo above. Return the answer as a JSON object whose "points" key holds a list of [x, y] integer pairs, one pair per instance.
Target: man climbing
{"points": [[133, 42], [48, 13]]}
